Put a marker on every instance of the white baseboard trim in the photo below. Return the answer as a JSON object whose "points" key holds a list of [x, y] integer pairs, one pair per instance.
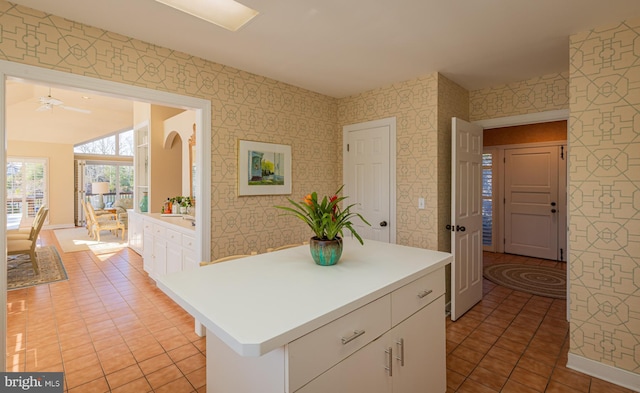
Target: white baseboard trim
{"points": [[608, 373]]}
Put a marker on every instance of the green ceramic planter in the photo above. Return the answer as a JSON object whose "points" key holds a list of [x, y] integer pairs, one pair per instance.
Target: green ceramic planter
{"points": [[326, 252]]}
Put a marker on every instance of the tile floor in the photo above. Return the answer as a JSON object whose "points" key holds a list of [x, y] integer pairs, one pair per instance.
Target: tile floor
{"points": [[514, 342], [111, 330]]}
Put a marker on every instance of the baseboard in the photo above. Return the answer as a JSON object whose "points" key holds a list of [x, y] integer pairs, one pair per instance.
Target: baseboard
{"points": [[608, 373]]}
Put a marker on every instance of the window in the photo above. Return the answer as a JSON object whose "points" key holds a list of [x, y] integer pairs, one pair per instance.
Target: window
{"points": [[487, 201], [26, 188], [118, 175], [118, 144]]}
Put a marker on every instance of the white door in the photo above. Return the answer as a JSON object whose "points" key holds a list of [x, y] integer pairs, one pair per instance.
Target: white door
{"points": [[369, 155], [532, 202], [466, 216]]}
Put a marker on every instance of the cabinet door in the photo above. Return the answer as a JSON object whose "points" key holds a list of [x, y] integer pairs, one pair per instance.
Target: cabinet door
{"points": [[159, 257], [420, 342], [147, 252], [174, 258], [362, 372]]}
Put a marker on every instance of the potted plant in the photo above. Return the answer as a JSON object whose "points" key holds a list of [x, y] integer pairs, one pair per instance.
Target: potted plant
{"points": [[327, 221]]}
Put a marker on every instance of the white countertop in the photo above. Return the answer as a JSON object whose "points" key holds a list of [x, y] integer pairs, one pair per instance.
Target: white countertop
{"points": [[174, 220], [259, 303]]}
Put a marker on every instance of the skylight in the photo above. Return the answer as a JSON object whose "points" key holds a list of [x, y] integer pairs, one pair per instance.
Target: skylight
{"points": [[225, 13]]}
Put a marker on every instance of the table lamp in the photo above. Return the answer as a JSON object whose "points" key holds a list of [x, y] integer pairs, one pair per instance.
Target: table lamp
{"points": [[100, 188]]}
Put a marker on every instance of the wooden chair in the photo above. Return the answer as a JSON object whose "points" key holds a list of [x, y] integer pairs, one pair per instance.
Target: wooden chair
{"points": [[103, 223], [228, 258], [286, 246], [28, 246], [26, 233]]}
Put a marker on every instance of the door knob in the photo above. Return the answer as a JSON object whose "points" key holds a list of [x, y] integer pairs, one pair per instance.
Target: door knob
{"points": [[553, 203], [383, 224], [553, 210]]}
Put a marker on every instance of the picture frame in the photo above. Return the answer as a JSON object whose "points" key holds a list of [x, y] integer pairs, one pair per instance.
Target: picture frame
{"points": [[263, 168]]}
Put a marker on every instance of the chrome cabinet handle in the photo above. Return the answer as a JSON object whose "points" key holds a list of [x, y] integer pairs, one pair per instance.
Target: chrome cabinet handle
{"points": [[424, 294], [356, 334], [389, 366], [400, 344]]}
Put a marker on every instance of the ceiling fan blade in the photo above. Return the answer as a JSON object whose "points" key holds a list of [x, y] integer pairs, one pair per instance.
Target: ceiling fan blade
{"points": [[71, 108]]}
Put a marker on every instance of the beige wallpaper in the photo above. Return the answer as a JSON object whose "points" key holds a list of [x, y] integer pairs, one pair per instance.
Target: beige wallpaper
{"points": [[604, 195], [244, 106], [545, 93], [414, 104]]}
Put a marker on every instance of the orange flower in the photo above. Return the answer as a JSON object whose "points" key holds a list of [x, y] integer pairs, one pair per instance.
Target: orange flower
{"points": [[308, 200]]}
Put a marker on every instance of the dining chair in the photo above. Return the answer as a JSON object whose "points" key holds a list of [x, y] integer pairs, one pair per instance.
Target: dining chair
{"points": [[28, 246], [26, 232]]}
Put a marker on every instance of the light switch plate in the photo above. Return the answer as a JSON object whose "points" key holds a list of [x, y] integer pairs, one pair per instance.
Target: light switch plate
{"points": [[420, 203]]}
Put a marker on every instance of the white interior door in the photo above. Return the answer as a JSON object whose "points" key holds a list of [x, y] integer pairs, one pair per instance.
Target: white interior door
{"points": [[368, 157], [532, 202], [466, 216]]}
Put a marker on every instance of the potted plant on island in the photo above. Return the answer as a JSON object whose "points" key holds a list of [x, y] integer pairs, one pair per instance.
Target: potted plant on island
{"points": [[327, 221]]}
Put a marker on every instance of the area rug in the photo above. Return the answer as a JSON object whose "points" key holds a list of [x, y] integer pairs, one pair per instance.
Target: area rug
{"points": [[537, 280], [77, 239], [20, 273]]}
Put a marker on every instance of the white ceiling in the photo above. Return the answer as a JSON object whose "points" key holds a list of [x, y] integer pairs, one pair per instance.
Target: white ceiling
{"points": [[344, 47], [334, 47]]}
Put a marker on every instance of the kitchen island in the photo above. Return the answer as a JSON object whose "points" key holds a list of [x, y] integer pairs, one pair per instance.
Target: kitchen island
{"points": [[277, 322]]}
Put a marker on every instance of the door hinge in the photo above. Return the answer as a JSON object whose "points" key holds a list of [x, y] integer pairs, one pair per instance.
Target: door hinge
{"points": [[562, 152], [504, 240], [561, 254], [347, 147]]}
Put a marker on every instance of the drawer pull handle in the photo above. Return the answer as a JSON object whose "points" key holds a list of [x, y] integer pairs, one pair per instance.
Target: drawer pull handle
{"points": [[389, 366], [356, 334], [400, 344], [424, 294]]}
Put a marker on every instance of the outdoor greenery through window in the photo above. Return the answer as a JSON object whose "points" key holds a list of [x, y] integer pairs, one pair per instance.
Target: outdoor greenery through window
{"points": [[26, 188], [111, 161], [119, 144]]}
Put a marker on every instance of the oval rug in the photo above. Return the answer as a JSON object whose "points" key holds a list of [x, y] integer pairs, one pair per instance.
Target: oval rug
{"points": [[537, 280]]}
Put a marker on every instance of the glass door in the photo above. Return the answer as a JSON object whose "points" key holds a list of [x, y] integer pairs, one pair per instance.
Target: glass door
{"points": [[27, 189]]}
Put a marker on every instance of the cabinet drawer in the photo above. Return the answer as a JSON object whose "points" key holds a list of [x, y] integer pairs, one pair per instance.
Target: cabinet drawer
{"points": [[316, 352], [189, 243], [147, 226], [159, 230], [173, 236], [412, 297]]}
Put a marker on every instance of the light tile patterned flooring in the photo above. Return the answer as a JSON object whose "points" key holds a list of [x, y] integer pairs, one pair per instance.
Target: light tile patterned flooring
{"points": [[110, 329]]}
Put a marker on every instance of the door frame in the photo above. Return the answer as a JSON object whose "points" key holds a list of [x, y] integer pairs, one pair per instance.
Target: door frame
{"points": [[532, 118], [201, 106], [385, 122]]}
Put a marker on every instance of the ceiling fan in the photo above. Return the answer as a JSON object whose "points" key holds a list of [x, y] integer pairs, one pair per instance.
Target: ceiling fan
{"points": [[48, 103]]}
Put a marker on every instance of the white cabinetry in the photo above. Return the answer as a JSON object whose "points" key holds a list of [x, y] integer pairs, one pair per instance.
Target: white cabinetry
{"points": [[135, 231], [167, 245], [394, 344]]}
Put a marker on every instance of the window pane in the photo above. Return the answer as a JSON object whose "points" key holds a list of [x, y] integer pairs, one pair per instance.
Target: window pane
{"points": [[126, 143], [487, 159], [126, 180], [104, 146], [487, 182], [487, 221]]}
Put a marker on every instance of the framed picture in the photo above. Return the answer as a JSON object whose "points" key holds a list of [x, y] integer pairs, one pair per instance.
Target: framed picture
{"points": [[263, 168]]}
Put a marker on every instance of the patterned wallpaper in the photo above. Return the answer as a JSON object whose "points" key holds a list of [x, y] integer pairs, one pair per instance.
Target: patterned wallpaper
{"points": [[414, 104], [604, 195], [545, 93], [244, 106]]}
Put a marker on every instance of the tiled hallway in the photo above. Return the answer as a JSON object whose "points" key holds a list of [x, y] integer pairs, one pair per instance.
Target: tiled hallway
{"points": [[110, 329]]}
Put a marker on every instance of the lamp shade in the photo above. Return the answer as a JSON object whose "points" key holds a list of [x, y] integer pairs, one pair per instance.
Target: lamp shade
{"points": [[100, 188]]}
